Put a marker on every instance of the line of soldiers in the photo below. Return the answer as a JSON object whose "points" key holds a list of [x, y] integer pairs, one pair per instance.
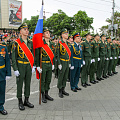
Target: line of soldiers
{"points": [[68, 56]]}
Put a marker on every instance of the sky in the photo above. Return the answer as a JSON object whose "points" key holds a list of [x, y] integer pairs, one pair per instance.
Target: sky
{"points": [[100, 10]]}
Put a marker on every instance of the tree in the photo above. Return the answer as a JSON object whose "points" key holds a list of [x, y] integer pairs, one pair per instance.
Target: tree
{"points": [[82, 21], [79, 22], [116, 21]]}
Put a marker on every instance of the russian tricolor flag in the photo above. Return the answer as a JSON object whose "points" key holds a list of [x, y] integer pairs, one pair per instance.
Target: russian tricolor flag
{"points": [[37, 37]]}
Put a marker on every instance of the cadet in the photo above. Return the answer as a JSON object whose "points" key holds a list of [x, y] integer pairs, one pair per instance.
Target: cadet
{"points": [[5, 71], [63, 58], [86, 47], [101, 56], [113, 54], [47, 65], [76, 62], [95, 58], [107, 56], [22, 62], [115, 58]]}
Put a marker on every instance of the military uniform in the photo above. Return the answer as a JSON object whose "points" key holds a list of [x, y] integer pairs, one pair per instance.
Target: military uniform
{"points": [[5, 70], [21, 65], [86, 48], [116, 53], [111, 62], [46, 67], [56, 62], [76, 61], [95, 56], [107, 58], [102, 59], [63, 61]]}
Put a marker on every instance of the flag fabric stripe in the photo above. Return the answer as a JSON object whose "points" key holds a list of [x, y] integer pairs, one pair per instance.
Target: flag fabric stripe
{"points": [[37, 37], [38, 27]]}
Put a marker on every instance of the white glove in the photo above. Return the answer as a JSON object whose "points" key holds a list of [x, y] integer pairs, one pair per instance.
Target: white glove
{"points": [[81, 65], [39, 69], [98, 59], [93, 60], [107, 58], [60, 67], [33, 69], [111, 58], [69, 65], [72, 67], [7, 77], [119, 57], [53, 67], [16, 73], [83, 62], [115, 57]]}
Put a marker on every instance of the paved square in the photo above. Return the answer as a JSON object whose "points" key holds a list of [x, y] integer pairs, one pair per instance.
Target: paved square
{"points": [[97, 102]]}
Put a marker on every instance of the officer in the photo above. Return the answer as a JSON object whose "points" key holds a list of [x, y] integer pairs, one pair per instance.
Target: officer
{"points": [[5, 72], [115, 58], [113, 55], [47, 66], [22, 62], [63, 58], [95, 58], [76, 62], [86, 47], [107, 56], [101, 56]]}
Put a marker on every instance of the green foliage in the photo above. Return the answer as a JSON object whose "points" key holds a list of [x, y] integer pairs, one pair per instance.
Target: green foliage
{"points": [[116, 21], [79, 22]]}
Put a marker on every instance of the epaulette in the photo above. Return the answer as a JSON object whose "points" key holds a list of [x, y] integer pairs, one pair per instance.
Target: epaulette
{"points": [[111, 43]]}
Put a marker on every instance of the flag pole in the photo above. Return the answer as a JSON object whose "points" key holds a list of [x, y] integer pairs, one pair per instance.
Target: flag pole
{"points": [[41, 68]]}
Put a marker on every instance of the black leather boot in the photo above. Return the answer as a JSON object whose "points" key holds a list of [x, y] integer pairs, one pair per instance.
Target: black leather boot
{"points": [[48, 97], [64, 93], [60, 93], [27, 103], [20, 104], [43, 98]]}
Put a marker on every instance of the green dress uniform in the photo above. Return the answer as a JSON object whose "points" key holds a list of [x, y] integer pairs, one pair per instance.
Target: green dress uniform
{"points": [[5, 70], [46, 66], [63, 59], [102, 59], [95, 55], [115, 59], [111, 62], [56, 62], [107, 58], [20, 62], [86, 48], [119, 55]]}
